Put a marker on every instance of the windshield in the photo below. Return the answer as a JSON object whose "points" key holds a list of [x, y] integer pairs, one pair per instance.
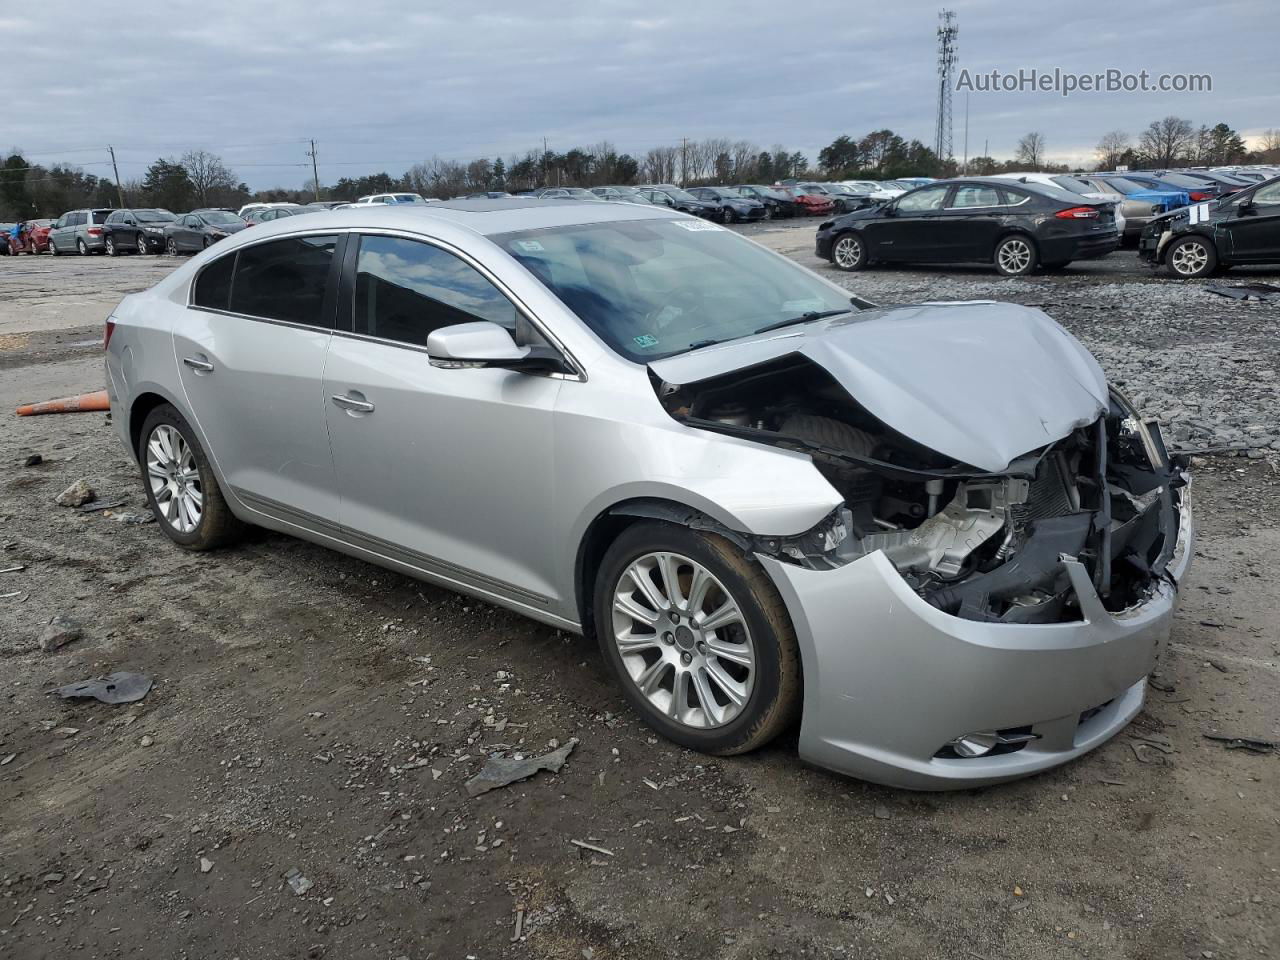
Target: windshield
{"points": [[654, 288], [153, 216], [220, 216], [1127, 186], [1074, 184]]}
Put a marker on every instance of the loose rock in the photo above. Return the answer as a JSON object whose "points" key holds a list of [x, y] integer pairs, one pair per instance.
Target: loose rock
{"points": [[77, 495]]}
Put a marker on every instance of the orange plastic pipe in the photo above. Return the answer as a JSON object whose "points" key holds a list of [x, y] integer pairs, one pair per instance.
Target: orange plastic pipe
{"points": [[84, 403]]}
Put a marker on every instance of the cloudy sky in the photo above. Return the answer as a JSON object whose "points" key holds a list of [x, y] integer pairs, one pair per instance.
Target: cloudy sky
{"points": [[382, 85]]}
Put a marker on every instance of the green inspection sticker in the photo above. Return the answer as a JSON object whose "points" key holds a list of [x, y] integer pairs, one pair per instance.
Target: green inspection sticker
{"points": [[645, 340]]}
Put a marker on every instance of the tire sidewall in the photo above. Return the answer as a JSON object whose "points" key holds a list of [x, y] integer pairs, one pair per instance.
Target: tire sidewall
{"points": [[1211, 257], [643, 538], [862, 252], [82, 248], [167, 415]]}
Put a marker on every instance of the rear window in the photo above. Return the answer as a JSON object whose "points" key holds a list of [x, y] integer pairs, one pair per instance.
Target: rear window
{"points": [[99, 216], [213, 285], [284, 280]]}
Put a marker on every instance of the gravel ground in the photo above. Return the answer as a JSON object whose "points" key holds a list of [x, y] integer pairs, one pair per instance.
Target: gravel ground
{"points": [[314, 713]]}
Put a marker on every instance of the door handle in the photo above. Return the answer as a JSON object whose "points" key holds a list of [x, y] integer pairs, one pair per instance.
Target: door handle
{"points": [[352, 404], [200, 366]]}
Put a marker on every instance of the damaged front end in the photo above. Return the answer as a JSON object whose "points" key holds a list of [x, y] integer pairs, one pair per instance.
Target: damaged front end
{"points": [[992, 546]]}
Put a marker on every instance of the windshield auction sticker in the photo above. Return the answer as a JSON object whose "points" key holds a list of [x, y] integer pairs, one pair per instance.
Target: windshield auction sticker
{"points": [[695, 225]]}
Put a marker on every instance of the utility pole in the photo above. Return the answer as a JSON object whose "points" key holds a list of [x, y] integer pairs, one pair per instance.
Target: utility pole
{"points": [[544, 161], [965, 168], [119, 190], [315, 172], [684, 160]]}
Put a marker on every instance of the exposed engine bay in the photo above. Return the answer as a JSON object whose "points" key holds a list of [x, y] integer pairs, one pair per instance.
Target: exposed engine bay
{"points": [[978, 545]]}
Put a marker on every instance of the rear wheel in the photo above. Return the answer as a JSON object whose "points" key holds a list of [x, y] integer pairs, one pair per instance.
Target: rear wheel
{"points": [[82, 247], [698, 638], [849, 252], [1015, 256], [1191, 258], [181, 488]]}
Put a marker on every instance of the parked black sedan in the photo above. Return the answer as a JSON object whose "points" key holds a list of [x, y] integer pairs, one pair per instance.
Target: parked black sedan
{"points": [[731, 205], [679, 199], [199, 229], [776, 202], [1015, 227], [135, 231], [1241, 228]]}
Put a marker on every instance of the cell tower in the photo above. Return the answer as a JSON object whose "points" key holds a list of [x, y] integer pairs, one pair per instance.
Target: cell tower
{"points": [[948, 31]]}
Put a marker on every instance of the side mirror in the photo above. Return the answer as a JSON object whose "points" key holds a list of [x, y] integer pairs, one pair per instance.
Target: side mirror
{"points": [[1246, 205], [890, 208], [483, 343]]}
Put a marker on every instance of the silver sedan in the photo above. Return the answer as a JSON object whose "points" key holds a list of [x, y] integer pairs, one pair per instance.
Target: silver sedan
{"points": [[931, 535]]}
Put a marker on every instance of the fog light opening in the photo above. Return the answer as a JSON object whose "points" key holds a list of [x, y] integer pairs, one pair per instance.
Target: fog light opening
{"points": [[988, 742], [974, 744]]}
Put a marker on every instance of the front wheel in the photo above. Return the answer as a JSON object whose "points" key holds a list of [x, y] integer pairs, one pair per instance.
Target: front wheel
{"points": [[726, 214], [1191, 258], [1015, 256], [698, 638], [849, 252], [111, 246], [181, 488]]}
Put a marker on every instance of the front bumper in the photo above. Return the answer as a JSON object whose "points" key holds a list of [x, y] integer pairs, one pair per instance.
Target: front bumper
{"points": [[889, 679]]}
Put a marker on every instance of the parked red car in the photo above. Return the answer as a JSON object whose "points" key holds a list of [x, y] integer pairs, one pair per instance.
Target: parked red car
{"points": [[35, 239], [813, 204]]}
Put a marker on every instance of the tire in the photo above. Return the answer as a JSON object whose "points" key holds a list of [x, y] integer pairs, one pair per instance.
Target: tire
{"points": [[171, 247], [1015, 255], [767, 693], [82, 248], [53, 249], [111, 246], [1190, 258], [849, 252], [726, 214], [158, 453], [204, 244]]}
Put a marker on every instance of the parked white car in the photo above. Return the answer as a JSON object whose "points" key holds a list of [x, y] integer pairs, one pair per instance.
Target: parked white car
{"points": [[395, 198]]}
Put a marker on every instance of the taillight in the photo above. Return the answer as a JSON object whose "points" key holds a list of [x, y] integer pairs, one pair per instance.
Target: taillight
{"points": [[106, 336], [1077, 213], [94, 231], [1197, 196]]}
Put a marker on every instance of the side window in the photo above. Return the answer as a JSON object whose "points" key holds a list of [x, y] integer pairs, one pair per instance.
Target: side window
{"points": [[284, 280], [405, 289], [976, 197], [1014, 198], [923, 201], [76, 219], [213, 285], [1267, 196]]}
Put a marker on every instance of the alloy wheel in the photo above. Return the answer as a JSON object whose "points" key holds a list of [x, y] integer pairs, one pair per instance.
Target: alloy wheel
{"points": [[174, 478], [1014, 256], [171, 247], [84, 250], [847, 252], [683, 640], [1189, 258]]}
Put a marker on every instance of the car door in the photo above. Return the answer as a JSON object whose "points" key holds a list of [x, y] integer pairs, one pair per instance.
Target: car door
{"points": [[908, 228], [970, 223], [1253, 228], [64, 232], [251, 354], [191, 233], [450, 471]]}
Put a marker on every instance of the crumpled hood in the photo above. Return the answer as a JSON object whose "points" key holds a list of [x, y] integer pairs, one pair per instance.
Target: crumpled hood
{"points": [[980, 382]]}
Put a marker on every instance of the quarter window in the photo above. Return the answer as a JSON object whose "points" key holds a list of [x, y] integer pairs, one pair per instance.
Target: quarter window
{"points": [[213, 286], [284, 280], [405, 289]]}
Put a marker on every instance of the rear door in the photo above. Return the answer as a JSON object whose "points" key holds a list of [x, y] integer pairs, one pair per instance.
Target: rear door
{"points": [[1254, 231], [970, 223], [448, 470], [251, 354]]}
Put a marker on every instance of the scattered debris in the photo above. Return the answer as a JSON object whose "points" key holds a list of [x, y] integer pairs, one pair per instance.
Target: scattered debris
{"points": [[1246, 291], [882, 812], [33, 461], [519, 931], [65, 732], [1160, 685], [1252, 744], [1218, 665], [205, 864], [8, 760], [297, 882], [14, 569], [60, 631], [77, 495], [121, 687], [1113, 783], [124, 516], [592, 847], [53, 877], [108, 505], [81, 403], [502, 771], [147, 741]]}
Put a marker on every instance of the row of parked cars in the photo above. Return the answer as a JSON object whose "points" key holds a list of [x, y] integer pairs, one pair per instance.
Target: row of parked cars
{"points": [[1022, 222]]}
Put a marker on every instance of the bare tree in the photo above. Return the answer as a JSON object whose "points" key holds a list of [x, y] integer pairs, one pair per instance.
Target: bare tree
{"points": [[1111, 148], [1269, 145], [209, 176], [1030, 152], [660, 164], [1167, 141]]}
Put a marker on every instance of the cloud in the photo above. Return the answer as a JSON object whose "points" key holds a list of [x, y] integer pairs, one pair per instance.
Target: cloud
{"points": [[380, 83]]}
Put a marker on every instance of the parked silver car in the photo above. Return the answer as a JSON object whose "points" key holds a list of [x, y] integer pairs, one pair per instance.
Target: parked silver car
{"points": [[930, 532], [79, 230]]}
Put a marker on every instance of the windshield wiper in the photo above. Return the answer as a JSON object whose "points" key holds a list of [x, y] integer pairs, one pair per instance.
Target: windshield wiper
{"points": [[803, 318]]}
